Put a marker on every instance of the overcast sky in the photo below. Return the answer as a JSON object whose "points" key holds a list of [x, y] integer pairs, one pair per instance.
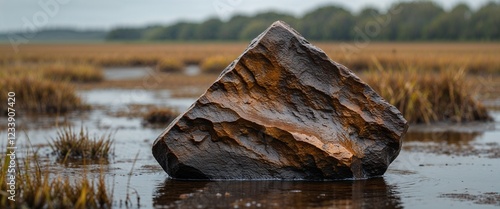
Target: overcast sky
{"points": [[106, 14]]}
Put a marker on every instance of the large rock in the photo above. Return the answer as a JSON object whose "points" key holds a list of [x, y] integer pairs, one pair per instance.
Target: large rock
{"points": [[283, 110]]}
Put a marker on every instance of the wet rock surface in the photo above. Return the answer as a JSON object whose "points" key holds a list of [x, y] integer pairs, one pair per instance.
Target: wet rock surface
{"points": [[283, 110]]}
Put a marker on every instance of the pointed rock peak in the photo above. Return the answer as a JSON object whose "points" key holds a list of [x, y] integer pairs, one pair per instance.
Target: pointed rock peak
{"points": [[283, 110], [279, 28], [280, 25], [284, 26]]}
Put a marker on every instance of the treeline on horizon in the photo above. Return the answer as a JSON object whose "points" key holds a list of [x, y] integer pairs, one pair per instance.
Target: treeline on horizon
{"points": [[406, 21]]}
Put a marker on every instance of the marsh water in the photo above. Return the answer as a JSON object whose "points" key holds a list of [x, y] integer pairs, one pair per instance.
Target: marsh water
{"points": [[440, 165]]}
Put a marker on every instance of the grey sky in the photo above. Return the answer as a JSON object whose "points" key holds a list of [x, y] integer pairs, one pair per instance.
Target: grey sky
{"points": [[105, 14]]}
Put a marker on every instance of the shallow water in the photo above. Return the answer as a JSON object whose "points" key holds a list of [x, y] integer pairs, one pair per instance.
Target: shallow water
{"points": [[129, 73], [124, 73], [440, 166], [121, 99], [192, 70]]}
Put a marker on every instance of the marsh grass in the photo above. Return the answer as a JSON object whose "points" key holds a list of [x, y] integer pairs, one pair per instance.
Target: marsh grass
{"points": [[474, 57], [37, 95], [38, 188], [128, 200], [72, 72], [170, 65], [159, 116], [426, 97], [428, 64], [215, 64], [70, 144]]}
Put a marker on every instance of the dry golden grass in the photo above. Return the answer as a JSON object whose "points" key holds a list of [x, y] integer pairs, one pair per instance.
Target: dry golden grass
{"points": [[37, 95], [215, 64], [474, 57], [170, 65], [160, 116], [115, 54], [72, 145], [72, 72], [45, 88], [428, 97], [37, 188]]}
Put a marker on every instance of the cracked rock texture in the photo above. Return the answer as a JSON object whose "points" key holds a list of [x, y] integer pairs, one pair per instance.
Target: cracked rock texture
{"points": [[283, 110]]}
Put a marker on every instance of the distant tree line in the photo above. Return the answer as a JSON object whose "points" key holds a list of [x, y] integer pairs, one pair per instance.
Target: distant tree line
{"points": [[406, 21]]}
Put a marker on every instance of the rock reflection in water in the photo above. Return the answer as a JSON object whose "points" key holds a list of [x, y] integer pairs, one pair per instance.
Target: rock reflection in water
{"points": [[371, 193]]}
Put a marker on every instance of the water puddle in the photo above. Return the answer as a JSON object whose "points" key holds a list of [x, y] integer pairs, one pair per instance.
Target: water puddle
{"points": [[131, 73], [114, 99], [125, 73], [192, 70]]}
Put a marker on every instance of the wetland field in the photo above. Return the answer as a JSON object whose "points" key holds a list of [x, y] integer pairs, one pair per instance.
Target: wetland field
{"points": [[86, 116]]}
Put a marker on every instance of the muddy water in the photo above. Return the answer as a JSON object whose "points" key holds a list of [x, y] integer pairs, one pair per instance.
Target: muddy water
{"points": [[440, 166]]}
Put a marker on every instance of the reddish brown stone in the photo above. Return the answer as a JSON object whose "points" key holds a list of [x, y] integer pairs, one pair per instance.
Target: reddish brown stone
{"points": [[283, 110]]}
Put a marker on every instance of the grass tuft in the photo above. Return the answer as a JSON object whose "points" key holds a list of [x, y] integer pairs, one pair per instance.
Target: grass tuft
{"points": [[170, 65], [426, 97], [36, 188], [215, 64], [72, 145], [160, 116], [40, 96], [83, 73]]}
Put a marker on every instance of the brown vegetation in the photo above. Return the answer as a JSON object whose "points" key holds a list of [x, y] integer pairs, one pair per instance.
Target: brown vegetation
{"points": [[474, 57], [215, 64], [72, 145], [40, 96], [478, 58], [72, 72], [170, 65], [37, 188], [46, 88], [118, 54], [160, 116], [428, 97]]}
